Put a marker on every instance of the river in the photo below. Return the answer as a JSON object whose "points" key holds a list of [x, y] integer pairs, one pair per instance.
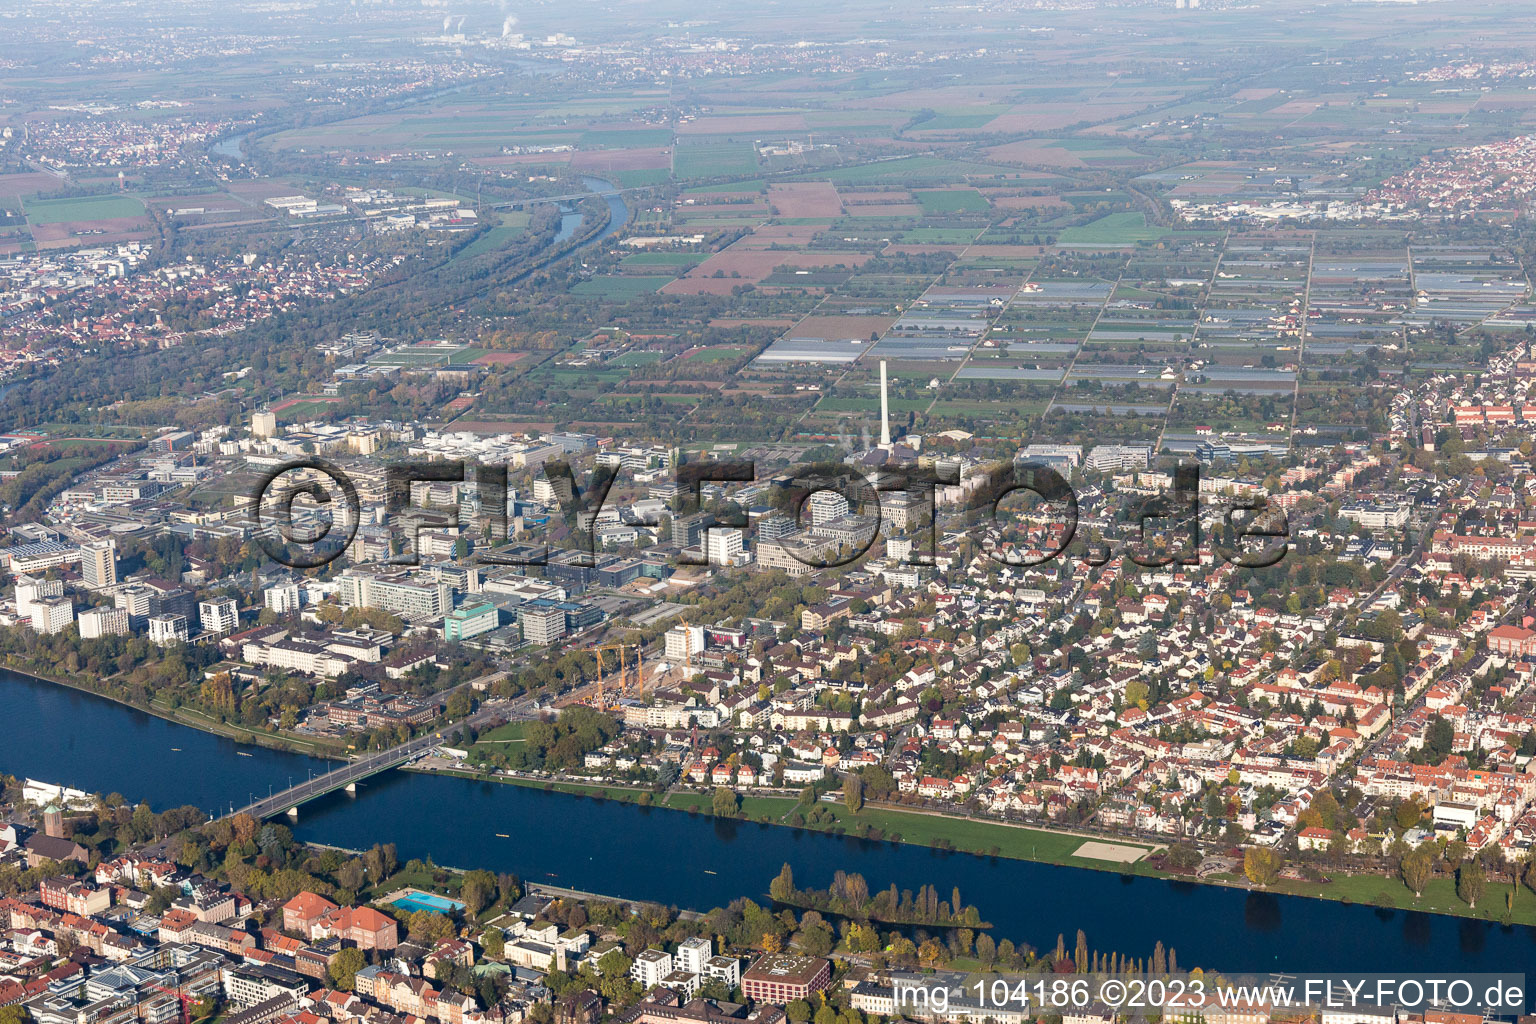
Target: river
{"points": [[60, 735], [86, 742]]}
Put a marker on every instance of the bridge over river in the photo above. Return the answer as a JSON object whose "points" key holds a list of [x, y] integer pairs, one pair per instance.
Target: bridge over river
{"points": [[365, 765]]}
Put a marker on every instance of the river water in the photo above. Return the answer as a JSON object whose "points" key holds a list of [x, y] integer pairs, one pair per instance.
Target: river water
{"points": [[55, 734]]}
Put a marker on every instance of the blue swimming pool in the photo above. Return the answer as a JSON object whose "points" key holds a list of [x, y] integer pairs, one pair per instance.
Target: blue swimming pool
{"points": [[414, 901]]}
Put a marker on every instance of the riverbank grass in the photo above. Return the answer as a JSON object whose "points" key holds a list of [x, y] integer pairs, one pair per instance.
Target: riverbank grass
{"points": [[1391, 894]]}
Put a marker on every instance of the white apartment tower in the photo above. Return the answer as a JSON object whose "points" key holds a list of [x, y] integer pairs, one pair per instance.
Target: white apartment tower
{"points": [[220, 616], [165, 630], [282, 598], [693, 954]]}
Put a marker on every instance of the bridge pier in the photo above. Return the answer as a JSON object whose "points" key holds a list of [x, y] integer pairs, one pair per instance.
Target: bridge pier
{"points": [[293, 812], [352, 788]]}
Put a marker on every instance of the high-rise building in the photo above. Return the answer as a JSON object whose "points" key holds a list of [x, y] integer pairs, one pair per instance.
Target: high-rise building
{"points": [[649, 967], [542, 624], [687, 530], [775, 526], [134, 600], [470, 621], [167, 629], [220, 616], [96, 623], [52, 614], [723, 546], [826, 506], [282, 598], [693, 954], [401, 593], [31, 589], [264, 423], [683, 642], [98, 565]]}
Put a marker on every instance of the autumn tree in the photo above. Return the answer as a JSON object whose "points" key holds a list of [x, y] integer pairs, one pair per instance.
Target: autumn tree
{"points": [[478, 891], [853, 793], [1262, 865], [1416, 869], [724, 802], [344, 967], [494, 944], [782, 888], [1471, 882]]}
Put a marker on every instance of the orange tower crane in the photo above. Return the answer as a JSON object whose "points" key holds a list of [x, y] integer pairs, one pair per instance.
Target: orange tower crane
{"points": [[631, 670]]}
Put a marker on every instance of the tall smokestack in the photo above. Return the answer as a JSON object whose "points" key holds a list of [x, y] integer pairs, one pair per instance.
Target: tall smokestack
{"points": [[885, 409]]}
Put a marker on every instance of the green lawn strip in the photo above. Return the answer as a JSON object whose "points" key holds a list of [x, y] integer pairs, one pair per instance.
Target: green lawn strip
{"points": [[1439, 896]]}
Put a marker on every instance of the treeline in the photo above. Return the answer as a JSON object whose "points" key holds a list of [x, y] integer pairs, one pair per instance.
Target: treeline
{"points": [[29, 492], [849, 896]]}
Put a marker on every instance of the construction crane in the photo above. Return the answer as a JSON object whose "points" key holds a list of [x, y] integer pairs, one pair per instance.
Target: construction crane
{"points": [[631, 668], [181, 998]]}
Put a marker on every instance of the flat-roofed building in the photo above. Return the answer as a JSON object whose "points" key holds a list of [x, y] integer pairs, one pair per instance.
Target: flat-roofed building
{"points": [[781, 978], [96, 623]]}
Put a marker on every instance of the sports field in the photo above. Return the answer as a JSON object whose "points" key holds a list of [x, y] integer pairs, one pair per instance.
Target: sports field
{"points": [[1117, 852]]}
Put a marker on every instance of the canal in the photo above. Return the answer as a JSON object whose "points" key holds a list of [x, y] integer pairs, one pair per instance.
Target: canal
{"points": [[55, 734]]}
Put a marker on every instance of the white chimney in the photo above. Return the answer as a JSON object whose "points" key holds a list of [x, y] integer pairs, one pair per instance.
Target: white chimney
{"points": [[885, 409]]}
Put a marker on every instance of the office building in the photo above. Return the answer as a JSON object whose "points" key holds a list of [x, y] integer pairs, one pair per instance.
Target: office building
{"points": [[96, 623], [826, 506], [541, 624], [470, 620], [98, 565], [52, 614], [401, 593], [723, 546]]}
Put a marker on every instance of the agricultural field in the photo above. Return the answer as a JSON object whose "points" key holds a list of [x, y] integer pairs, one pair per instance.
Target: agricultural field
{"points": [[85, 208]]}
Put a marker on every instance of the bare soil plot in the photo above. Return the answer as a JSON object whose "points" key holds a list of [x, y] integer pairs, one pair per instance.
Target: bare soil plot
{"points": [[836, 328], [27, 184], [93, 232], [1034, 154], [641, 159], [805, 199], [781, 234], [748, 123], [739, 265], [1094, 850], [752, 321]]}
